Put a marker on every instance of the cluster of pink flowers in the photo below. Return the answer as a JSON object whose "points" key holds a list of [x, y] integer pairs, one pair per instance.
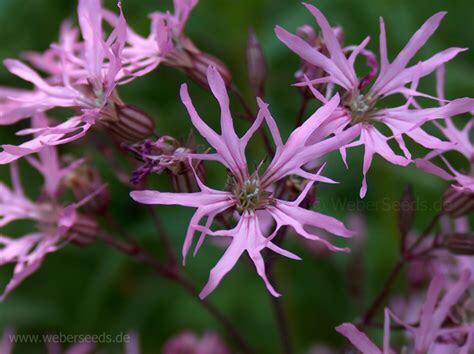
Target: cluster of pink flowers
{"points": [[83, 73]]}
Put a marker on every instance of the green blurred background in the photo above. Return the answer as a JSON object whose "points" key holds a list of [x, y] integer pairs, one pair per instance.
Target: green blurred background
{"points": [[93, 290]]}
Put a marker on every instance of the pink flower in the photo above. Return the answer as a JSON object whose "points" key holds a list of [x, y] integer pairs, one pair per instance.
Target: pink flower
{"points": [[434, 313], [6, 343], [56, 223], [85, 80], [359, 104], [360, 340], [143, 55], [168, 44], [188, 342], [460, 140], [251, 192]]}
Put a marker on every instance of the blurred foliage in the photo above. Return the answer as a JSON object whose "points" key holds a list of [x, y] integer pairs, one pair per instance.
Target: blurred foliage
{"points": [[93, 290]]}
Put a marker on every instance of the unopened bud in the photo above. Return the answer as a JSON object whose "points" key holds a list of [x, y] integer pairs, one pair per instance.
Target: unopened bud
{"points": [[457, 202], [294, 186], [128, 123], [256, 64], [85, 230], [460, 243], [194, 63], [83, 181], [309, 70]]}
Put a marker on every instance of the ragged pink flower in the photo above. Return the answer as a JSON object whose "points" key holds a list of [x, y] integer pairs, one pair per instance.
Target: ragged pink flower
{"points": [[86, 82], [359, 103], [427, 335], [55, 223], [6, 343], [188, 342], [458, 199], [168, 44], [250, 192]]}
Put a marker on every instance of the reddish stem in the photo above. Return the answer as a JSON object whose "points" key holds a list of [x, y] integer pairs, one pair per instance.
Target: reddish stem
{"points": [[138, 254]]}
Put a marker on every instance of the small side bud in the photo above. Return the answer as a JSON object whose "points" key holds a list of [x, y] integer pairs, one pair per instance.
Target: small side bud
{"points": [[194, 63], [256, 64], [460, 244], [128, 123], [309, 70], [457, 202], [83, 181]]}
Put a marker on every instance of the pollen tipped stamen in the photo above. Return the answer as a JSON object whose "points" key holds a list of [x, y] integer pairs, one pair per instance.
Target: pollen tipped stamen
{"points": [[250, 195], [360, 106]]}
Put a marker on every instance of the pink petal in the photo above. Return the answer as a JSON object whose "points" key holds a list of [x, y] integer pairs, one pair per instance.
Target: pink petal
{"points": [[358, 339]]}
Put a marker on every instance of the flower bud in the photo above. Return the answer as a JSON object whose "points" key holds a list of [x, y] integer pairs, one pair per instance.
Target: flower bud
{"points": [[295, 185], [256, 64], [194, 63], [85, 230], [83, 181], [460, 243], [309, 70], [128, 123], [457, 202]]}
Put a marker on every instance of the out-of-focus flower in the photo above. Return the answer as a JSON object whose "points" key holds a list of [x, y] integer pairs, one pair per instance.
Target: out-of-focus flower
{"points": [[168, 44], [56, 223], [249, 192], [88, 79], [79, 348], [83, 181], [322, 349], [189, 343], [6, 342], [360, 340], [458, 199], [427, 335], [359, 104]]}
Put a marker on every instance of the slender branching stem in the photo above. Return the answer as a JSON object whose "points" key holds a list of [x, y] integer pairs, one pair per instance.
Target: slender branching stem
{"points": [[174, 275]]}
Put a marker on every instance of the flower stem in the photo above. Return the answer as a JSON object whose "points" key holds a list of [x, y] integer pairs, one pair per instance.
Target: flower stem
{"points": [[301, 112], [404, 258], [280, 316], [138, 254], [163, 235], [277, 304]]}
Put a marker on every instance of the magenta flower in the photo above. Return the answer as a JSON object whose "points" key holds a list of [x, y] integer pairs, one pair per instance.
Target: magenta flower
{"points": [[86, 82], [188, 342], [56, 223], [167, 43], [251, 192], [460, 140], [433, 315], [143, 55], [359, 104]]}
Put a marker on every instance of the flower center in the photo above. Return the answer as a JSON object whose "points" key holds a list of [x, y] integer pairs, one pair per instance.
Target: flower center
{"points": [[250, 195], [360, 107]]}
